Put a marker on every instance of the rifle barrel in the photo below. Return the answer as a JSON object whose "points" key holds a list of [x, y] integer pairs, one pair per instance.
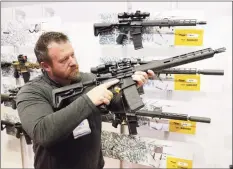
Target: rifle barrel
{"points": [[174, 116], [210, 72], [191, 71], [170, 22], [200, 119]]}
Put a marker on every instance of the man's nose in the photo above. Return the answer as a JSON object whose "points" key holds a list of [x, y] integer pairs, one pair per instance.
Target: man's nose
{"points": [[73, 62]]}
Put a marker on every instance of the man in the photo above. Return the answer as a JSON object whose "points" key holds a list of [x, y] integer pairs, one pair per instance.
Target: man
{"points": [[58, 140]]}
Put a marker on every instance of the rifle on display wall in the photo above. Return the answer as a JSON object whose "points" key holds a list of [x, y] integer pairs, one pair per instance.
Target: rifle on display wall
{"points": [[21, 67], [191, 71], [174, 116], [126, 92], [9, 99], [116, 118], [15, 129], [135, 23]]}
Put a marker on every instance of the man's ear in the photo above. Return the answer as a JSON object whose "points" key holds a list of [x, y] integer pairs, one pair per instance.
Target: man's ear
{"points": [[45, 66]]}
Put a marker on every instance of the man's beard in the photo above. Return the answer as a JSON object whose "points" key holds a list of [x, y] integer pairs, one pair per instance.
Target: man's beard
{"points": [[74, 75]]}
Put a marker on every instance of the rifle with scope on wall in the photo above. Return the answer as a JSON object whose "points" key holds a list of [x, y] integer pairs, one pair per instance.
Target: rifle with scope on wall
{"points": [[134, 24]]}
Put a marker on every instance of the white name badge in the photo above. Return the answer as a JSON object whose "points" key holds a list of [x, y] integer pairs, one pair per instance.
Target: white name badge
{"points": [[82, 129]]}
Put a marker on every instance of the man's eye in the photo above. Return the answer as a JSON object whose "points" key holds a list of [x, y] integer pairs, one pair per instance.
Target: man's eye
{"points": [[63, 60]]}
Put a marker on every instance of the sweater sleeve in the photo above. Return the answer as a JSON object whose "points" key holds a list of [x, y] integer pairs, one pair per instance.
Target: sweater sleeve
{"points": [[42, 124]]}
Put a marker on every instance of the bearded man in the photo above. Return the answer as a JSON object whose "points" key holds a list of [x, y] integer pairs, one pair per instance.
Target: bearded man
{"points": [[58, 140]]}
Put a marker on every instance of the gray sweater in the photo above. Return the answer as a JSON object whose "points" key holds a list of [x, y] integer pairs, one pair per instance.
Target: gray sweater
{"points": [[52, 130]]}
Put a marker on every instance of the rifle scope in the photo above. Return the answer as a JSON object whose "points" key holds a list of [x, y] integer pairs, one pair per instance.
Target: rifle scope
{"points": [[137, 14]]}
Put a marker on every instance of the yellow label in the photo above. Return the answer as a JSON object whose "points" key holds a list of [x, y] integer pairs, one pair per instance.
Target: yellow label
{"points": [[187, 82], [189, 37], [173, 162], [184, 127]]}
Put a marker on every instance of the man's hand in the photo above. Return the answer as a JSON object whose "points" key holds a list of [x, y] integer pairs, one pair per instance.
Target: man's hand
{"points": [[142, 77], [101, 94]]}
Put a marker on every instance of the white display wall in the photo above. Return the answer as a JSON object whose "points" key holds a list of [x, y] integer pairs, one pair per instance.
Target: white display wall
{"points": [[211, 146]]}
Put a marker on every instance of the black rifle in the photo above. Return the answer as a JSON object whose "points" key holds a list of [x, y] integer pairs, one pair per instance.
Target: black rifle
{"points": [[115, 119], [126, 90], [9, 99], [174, 116], [15, 126], [190, 71], [134, 23], [5, 64]]}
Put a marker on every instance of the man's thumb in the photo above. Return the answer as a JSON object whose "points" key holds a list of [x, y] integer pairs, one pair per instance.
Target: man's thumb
{"points": [[112, 82]]}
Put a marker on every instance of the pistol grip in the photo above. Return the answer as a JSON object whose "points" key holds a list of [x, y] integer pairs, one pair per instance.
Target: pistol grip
{"points": [[103, 108], [26, 76], [136, 36], [120, 39]]}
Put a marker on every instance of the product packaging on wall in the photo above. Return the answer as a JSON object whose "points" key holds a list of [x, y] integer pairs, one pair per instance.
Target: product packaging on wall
{"points": [[145, 151]]}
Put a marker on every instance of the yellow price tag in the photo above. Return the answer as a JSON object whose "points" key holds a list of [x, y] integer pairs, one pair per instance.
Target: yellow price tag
{"points": [[187, 82], [173, 162], [189, 37], [184, 127]]}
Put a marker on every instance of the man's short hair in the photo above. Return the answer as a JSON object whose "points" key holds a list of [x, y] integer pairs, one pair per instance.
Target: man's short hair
{"points": [[41, 47]]}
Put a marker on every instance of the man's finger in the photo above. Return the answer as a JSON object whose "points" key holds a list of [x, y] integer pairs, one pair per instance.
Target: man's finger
{"points": [[110, 83], [140, 79], [110, 93], [102, 99], [107, 96], [151, 73], [106, 101], [141, 73]]}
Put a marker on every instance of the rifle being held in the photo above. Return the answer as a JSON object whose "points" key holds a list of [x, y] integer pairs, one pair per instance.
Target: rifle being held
{"points": [[126, 92], [189, 71], [134, 23]]}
